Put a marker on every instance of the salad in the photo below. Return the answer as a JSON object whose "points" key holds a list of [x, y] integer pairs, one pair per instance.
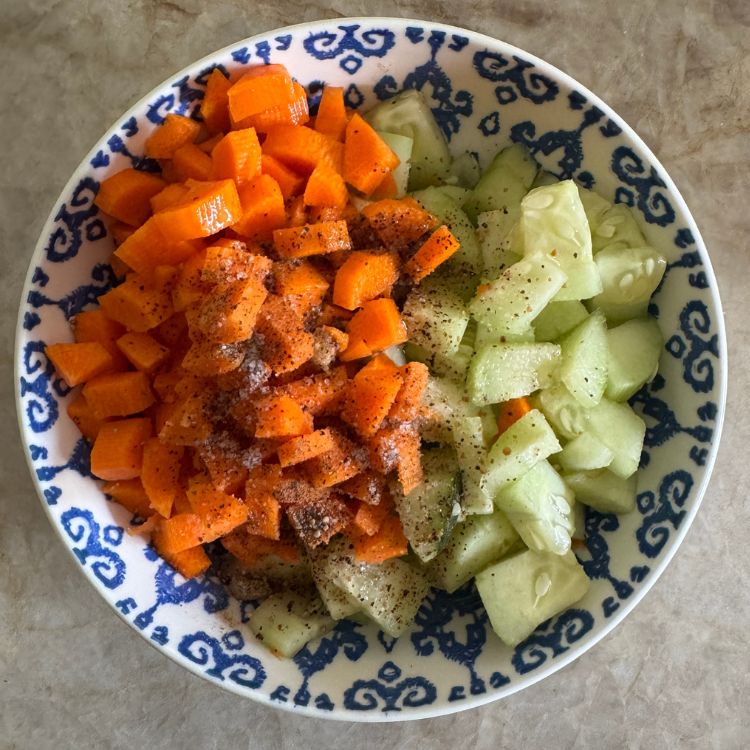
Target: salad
{"points": [[340, 366]]}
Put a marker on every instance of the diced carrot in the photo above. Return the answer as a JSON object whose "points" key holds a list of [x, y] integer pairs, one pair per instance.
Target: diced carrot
{"points": [[237, 156], [207, 358], [363, 277], [149, 247], [317, 394], [318, 521], [143, 351], [215, 104], [356, 349], [181, 503], [339, 339], [370, 397], [230, 312], [260, 89], [368, 487], [178, 533], [189, 563], [84, 418], [130, 494], [234, 262], [389, 541], [409, 398], [208, 208], [293, 112], [248, 548], [281, 416], [312, 239], [121, 231], [190, 288], [409, 461], [192, 162], [296, 213], [188, 422], [264, 511], [369, 518], [378, 325], [287, 345], [300, 283], [126, 195], [171, 195], [337, 465], [290, 182], [160, 474], [118, 394], [334, 315], [263, 208], [367, 157], [305, 447], [219, 512], [326, 187], [136, 304], [398, 222], [210, 144], [79, 362], [222, 456], [331, 117], [438, 247], [118, 449], [94, 325], [301, 148], [388, 188], [509, 412], [174, 132]]}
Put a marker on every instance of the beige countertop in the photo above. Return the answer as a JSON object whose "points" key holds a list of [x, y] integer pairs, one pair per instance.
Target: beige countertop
{"points": [[675, 674]]}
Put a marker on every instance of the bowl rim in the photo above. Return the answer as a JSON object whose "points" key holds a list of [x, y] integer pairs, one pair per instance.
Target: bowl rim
{"points": [[438, 709]]}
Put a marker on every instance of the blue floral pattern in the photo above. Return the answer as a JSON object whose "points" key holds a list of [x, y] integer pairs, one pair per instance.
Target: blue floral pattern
{"points": [[477, 92]]}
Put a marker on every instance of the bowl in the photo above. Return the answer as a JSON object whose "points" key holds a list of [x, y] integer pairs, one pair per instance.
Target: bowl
{"points": [[484, 94]]}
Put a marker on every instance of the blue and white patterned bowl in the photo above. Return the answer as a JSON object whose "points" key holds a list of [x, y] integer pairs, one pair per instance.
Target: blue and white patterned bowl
{"points": [[484, 94]]}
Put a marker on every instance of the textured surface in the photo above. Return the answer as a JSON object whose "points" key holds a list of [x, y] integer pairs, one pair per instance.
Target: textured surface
{"points": [[678, 75]]}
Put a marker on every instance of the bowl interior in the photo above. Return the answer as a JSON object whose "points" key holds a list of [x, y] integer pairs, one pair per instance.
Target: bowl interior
{"points": [[484, 94]]}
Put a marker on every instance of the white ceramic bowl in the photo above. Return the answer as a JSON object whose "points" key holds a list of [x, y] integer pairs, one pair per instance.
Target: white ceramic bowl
{"points": [[484, 93]]}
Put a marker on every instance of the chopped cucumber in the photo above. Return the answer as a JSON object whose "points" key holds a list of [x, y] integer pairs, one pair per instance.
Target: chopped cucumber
{"points": [[579, 521], [518, 449], [629, 278], [563, 411], [468, 258], [453, 366], [455, 192], [539, 507], [390, 592], [486, 335], [464, 171], [402, 146], [430, 511], [522, 591], [509, 304], [499, 372], [285, 622], [558, 318], [435, 318], [622, 431], [603, 491], [408, 114], [495, 235], [544, 178], [476, 543], [634, 350], [554, 224], [447, 401], [594, 206], [323, 561], [584, 453], [504, 183], [616, 228], [583, 367], [468, 440]]}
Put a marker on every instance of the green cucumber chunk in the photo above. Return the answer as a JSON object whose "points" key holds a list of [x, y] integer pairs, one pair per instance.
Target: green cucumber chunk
{"points": [[496, 240], [622, 431], [504, 183], [629, 278], [464, 172], [323, 561], [285, 622], [583, 367], [594, 207], [475, 543], [539, 507], [402, 146], [484, 335], [603, 491], [409, 114], [634, 349], [499, 372], [558, 318], [553, 223], [563, 410], [509, 304], [468, 440], [430, 511], [522, 591], [584, 453], [518, 449], [544, 178], [616, 228]]}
